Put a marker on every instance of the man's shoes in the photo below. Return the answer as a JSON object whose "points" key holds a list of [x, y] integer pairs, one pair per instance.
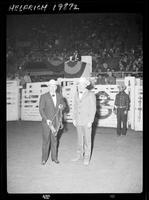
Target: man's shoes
{"points": [[56, 161], [43, 162], [86, 161], [76, 158]]}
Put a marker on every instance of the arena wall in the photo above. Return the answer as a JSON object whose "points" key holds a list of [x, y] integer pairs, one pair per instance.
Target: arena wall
{"points": [[28, 107]]}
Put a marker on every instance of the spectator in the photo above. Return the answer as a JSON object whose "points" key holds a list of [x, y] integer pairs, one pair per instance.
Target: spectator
{"points": [[111, 80], [9, 77], [17, 78], [105, 42], [105, 67], [76, 56], [101, 80], [27, 78], [22, 81]]}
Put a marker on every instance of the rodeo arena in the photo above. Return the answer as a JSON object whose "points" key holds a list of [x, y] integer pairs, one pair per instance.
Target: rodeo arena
{"points": [[105, 50]]}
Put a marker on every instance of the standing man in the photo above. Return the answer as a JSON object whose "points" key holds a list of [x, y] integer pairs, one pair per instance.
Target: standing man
{"points": [[51, 105], [84, 110], [27, 78], [111, 80], [121, 107]]}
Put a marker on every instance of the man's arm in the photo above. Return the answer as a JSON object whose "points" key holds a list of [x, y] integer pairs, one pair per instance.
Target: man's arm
{"points": [[116, 101], [127, 102], [115, 104], [42, 107], [62, 103], [92, 107], [74, 110]]}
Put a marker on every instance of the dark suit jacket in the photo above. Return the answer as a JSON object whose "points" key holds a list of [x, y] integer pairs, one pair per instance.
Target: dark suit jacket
{"points": [[47, 108]]}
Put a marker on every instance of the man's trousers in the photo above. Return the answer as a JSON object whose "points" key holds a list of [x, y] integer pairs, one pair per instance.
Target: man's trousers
{"points": [[121, 120], [84, 141], [49, 141]]}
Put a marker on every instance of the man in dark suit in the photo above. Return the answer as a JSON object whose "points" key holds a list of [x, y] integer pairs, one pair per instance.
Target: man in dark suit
{"points": [[51, 105]]}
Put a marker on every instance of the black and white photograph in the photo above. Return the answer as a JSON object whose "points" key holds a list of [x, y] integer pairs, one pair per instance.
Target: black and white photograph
{"points": [[74, 101]]}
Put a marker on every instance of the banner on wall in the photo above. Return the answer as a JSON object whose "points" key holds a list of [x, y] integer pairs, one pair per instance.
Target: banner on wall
{"points": [[105, 97], [77, 69], [104, 109], [74, 69]]}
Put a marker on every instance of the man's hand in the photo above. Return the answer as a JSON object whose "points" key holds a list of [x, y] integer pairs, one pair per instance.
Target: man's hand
{"points": [[115, 110], [52, 129], [74, 122], [51, 126], [125, 112], [89, 125], [48, 122]]}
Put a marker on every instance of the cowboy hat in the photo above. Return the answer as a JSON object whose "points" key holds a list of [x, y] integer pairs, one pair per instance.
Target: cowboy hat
{"points": [[52, 82]]}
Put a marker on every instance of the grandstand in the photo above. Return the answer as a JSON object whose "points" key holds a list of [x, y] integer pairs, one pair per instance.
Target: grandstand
{"points": [[113, 40]]}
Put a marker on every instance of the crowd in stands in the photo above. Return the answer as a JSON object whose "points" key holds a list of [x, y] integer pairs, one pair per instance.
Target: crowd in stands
{"points": [[114, 42], [22, 78]]}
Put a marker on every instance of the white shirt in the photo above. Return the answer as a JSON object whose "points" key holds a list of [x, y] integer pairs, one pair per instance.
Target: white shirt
{"points": [[54, 98], [80, 95]]}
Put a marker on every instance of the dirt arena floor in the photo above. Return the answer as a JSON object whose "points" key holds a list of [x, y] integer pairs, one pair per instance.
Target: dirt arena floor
{"points": [[115, 166]]}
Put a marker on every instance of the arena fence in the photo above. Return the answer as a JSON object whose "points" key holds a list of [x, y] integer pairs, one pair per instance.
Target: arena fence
{"points": [[13, 99], [27, 107]]}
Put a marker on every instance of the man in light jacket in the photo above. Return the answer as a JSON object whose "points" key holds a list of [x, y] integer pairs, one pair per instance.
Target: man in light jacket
{"points": [[84, 109]]}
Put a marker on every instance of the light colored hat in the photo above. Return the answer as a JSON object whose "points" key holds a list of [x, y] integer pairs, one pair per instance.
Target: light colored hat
{"points": [[84, 80], [52, 82]]}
